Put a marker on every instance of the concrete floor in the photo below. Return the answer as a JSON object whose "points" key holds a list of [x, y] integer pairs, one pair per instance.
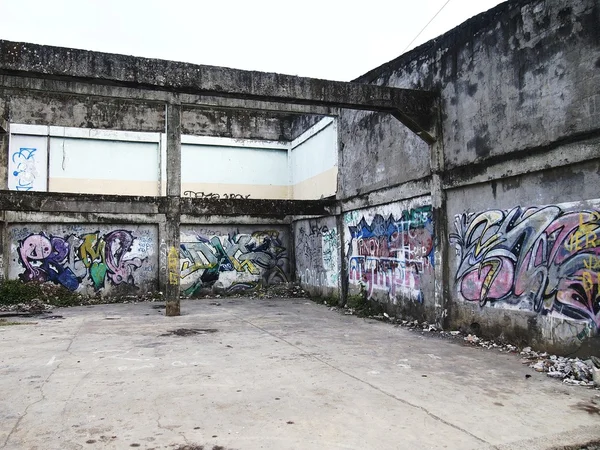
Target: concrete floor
{"points": [[276, 374]]}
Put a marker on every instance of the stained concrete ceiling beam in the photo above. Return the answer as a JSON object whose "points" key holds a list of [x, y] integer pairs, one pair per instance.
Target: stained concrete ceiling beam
{"points": [[415, 109], [3, 126], [62, 202]]}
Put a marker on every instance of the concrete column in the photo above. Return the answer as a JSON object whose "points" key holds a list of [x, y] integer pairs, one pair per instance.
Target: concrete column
{"points": [[343, 266], [4, 130], [339, 218], [438, 202], [4, 241], [4, 247], [173, 212]]}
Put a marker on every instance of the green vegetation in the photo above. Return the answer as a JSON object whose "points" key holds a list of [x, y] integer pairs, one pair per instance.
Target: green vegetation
{"points": [[13, 292], [6, 323]]}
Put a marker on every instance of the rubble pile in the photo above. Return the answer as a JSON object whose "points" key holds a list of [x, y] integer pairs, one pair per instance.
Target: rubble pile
{"points": [[569, 370], [34, 306]]}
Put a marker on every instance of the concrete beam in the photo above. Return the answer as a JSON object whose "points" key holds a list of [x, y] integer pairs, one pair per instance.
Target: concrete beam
{"points": [[3, 126], [258, 207], [60, 203], [74, 88], [415, 109]]}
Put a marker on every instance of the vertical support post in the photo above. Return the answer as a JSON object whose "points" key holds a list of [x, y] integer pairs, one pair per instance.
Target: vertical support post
{"points": [[4, 139], [339, 217], [4, 242], [343, 265], [4, 247], [173, 210], [438, 203]]}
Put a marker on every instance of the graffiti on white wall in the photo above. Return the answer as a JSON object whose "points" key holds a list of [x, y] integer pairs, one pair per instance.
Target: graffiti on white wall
{"points": [[83, 261], [390, 249], [542, 259], [27, 163], [234, 260]]}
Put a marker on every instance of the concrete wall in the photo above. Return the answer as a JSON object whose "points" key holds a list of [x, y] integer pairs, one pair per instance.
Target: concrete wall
{"points": [[390, 252], [517, 161], [317, 251], [91, 259], [526, 256], [232, 258], [514, 162], [237, 124]]}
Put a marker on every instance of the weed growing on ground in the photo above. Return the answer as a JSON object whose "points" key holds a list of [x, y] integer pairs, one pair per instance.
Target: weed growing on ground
{"points": [[13, 292], [6, 323]]}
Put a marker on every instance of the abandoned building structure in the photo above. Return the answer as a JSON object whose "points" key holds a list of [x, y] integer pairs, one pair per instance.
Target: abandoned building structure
{"points": [[457, 184]]}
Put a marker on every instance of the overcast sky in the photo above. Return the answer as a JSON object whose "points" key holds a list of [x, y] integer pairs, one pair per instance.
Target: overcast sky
{"points": [[332, 39]]}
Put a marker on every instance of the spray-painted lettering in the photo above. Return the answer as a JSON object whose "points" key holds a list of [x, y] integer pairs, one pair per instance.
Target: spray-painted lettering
{"points": [[391, 254], [542, 259], [70, 260]]}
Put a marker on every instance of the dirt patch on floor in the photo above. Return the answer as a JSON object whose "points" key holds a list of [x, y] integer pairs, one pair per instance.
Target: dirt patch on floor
{"points": [[189, 331]]}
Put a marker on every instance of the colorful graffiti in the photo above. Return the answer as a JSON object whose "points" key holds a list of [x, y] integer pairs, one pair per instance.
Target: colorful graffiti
{"points": [[541, 259], [392, 254], [317, 247], [70, 261], [260, 256]]}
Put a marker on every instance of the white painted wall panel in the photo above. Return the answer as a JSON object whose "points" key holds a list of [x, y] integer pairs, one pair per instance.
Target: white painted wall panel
{"points": [[316, 155], [233, 165], [104, 160], [28, 163]]}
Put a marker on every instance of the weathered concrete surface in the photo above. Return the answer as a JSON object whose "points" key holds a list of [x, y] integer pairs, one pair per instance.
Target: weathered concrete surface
{"points": [[237, 124], [283, 374], [317, 256], [519, 110], [416, 109], [47, 108], [518, 79]]}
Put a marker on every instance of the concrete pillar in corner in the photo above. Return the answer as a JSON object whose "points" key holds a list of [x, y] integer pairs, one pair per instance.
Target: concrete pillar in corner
{"points": [[173, 210], [438, 201]]}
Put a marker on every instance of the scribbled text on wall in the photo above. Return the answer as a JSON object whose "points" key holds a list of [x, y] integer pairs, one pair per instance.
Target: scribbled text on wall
{"points": [[317, 247]]}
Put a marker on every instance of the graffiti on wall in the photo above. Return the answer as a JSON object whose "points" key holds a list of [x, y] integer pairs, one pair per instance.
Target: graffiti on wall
{"points": [[173, 265], [257, 257], [76, 260], [391, 254], [317, 247], [25, 171], [541, 259], [214, 196]]}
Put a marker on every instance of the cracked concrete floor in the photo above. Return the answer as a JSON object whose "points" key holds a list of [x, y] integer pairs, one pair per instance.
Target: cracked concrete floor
{"points": [[269, 374]]}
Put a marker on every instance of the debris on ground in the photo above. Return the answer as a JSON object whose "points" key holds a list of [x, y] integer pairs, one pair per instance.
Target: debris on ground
{"points": [[46, 303], [31, 307], [189, 331], [572, 371], [569, 370]]}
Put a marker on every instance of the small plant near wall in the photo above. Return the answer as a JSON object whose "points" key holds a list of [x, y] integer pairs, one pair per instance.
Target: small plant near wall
{"points": [[359, 302]]}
